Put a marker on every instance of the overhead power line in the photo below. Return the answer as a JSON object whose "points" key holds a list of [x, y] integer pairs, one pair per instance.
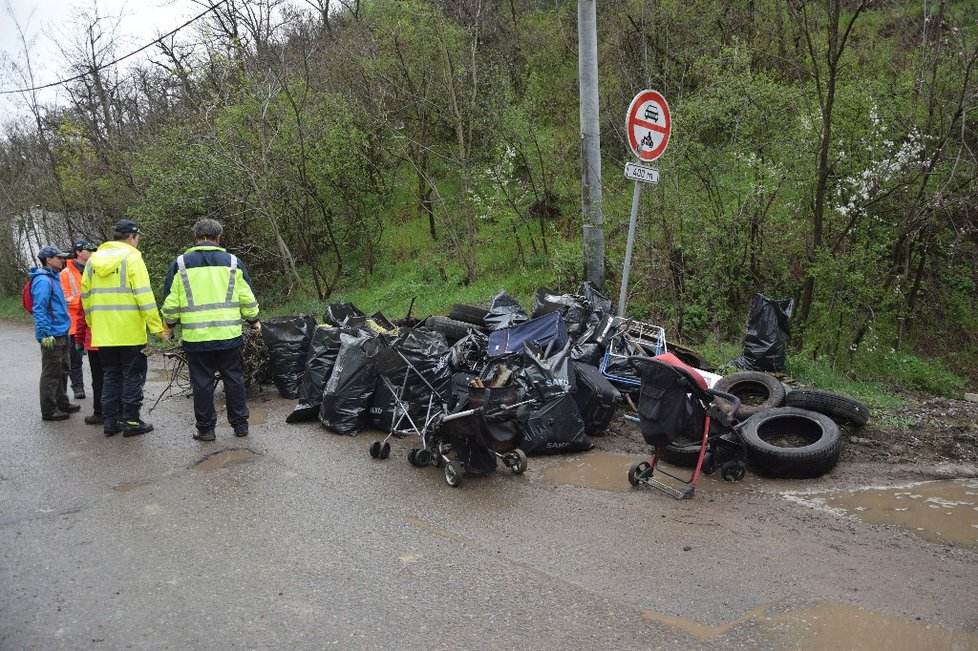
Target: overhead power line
{"points": [[118, 60]]}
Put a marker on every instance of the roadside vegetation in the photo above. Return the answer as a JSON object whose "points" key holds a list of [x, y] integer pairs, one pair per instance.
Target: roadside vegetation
{"points": [[379, 151]]}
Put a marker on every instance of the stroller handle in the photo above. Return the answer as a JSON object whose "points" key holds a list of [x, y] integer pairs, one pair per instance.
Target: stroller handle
{"points": [[734, 400]]}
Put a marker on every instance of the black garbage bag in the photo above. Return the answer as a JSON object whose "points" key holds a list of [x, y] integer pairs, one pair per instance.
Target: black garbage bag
{"points": [[547, 379], [574, 310], [504, 312], [287, 340], [350, 388], [768, 330], [599, 306], [428, 354], [323, 349], [554, 428], [469, 352], [587, 353], [337, 314]]}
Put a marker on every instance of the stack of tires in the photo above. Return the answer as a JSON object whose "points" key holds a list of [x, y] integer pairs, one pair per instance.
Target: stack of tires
{"points": [[793, 435]]}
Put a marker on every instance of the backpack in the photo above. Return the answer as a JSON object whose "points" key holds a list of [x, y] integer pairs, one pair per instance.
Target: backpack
{"points": [[28, 298]]}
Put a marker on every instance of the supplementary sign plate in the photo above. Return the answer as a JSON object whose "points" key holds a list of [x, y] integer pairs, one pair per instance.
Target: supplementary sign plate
{"points": [[641, 173]]}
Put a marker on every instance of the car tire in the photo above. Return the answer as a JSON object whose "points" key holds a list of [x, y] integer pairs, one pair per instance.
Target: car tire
{"points": [[772, 438], [757, 391], [836, 406]]}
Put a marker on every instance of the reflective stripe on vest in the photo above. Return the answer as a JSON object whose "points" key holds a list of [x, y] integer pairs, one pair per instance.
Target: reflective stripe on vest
{"points": [[182, 266], [73, 284], [121, 289]]}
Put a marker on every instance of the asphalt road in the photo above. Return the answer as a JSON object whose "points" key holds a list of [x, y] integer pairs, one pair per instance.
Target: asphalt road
{"points": [[151, 542]]}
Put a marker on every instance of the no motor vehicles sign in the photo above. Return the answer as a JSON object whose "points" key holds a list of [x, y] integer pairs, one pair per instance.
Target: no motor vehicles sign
{"points": [[648, 125]]}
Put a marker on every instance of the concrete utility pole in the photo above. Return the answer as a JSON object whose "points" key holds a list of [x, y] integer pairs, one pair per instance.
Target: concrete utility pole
{"points": [[587, 74]]}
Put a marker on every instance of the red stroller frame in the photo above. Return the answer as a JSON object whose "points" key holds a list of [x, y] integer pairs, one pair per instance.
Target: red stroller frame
{"points": [[663, 378]]}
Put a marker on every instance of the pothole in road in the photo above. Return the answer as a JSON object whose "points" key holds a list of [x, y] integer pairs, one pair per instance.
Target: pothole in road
{"points": [[223, 458], [608, 471], [943, 511]]}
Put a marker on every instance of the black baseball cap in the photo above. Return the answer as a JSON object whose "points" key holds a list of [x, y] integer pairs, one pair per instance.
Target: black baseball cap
{"points": [[84, 245], [51, 252], [126, 227]]}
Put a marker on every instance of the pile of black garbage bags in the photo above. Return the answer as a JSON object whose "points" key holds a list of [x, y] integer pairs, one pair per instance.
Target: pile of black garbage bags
{"points": [[345, 374]]}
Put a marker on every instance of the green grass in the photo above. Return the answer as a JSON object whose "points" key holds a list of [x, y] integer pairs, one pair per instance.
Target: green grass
{"points": [[11, 309]]}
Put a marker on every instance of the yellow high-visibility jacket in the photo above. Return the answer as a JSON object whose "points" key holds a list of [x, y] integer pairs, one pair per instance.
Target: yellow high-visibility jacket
{"points": [[208, 292], [117, 297]]}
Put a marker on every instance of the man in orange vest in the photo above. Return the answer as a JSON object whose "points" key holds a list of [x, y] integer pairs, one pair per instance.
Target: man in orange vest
{"points": [[71, 279]]}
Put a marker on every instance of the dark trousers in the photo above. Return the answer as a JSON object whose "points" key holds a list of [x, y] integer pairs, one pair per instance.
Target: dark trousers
{"points": [[123, 377], [54, 377], [77, 378], [203, 367], [95, 365]]}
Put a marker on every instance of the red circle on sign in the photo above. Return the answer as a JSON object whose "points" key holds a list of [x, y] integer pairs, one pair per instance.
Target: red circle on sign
{"points": [[655, 119]]}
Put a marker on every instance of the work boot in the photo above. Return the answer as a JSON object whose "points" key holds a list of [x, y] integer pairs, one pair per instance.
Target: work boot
{"points": [[55, 415], [79, 394], [135, 427], [205, 435], [111, 429], [71, 408], [241, 432], [94, 419]]}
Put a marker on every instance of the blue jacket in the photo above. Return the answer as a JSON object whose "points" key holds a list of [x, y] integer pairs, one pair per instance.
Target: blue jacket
{"points": [[50, 309]]}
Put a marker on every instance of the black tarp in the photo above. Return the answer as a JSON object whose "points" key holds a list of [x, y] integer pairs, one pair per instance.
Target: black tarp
{"points": [[505, 311], [287, 340], [768, 330], [337, 314], [348, 392]]}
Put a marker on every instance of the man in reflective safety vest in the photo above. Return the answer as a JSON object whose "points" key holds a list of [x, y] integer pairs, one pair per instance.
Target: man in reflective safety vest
{"points": [[71, 278], [119, 308], [208, 292]]}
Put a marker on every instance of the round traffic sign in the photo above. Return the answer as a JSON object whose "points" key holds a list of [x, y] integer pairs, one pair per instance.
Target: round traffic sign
{"points": [[648, 125]]}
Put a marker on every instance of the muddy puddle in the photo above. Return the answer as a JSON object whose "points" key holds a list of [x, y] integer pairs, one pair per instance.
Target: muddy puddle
{"points": [[608, 471], [940, 511], [944, 511], [218, 460], [826, 626], [841, 626]]}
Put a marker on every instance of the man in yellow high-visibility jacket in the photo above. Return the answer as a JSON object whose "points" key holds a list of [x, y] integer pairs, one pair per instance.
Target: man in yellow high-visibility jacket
{"points": [[208, 292], [119, 308]]}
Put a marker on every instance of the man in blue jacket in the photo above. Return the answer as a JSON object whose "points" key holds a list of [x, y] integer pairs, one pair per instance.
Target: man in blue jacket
{"points": [[51, 326]]}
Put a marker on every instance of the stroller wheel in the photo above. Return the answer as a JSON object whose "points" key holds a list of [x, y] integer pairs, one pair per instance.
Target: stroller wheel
{"points": [[453, 473], [709, 462], [385, 450], [518, 462], [375, 449], [733, 471], [422, 458], [411, 457], [637, 472]]}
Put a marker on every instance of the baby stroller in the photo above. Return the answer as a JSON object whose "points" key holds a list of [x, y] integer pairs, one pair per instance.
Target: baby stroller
{"points": [[675, 403], [418, 405]]}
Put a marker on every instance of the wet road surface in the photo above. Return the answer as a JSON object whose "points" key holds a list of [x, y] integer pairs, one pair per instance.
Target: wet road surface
{"points": [[295, 537]]}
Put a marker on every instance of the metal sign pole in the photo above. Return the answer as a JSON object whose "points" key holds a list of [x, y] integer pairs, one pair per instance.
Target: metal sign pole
{"points": [[628, 249]]}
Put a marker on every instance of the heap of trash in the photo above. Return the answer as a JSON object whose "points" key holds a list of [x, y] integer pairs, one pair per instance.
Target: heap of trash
{"points": [[528, 382]]}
